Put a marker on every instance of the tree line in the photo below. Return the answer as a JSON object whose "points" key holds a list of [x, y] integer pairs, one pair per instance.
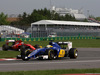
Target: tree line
{"points": [[3, 20], [36, 15], [41, 14]]}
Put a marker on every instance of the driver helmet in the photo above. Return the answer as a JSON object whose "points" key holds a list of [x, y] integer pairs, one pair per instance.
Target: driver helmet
{"points": [[48, 46]]}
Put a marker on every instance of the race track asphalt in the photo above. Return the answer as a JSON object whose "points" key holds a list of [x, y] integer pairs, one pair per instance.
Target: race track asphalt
{"points": [[87, 58], [0, 48]]}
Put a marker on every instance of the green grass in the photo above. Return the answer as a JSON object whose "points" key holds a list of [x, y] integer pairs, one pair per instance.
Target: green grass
{"points": [[86, 43], [51, 72], [8, 54], [93, 43]]}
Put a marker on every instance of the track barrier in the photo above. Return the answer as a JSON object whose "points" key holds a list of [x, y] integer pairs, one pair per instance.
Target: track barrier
{"points": [[48, 38]]}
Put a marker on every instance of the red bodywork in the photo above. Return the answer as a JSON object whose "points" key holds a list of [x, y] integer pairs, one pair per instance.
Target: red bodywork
{"points": [[17, 44], [31, 47]]}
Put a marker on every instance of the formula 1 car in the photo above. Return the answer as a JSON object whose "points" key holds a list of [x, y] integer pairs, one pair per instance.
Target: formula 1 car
{"points": [[52, 51], [15, 45], [12, 45]]}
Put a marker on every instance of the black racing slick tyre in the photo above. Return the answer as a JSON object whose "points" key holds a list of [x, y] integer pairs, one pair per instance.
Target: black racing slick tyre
{"points": [[50, 54], [24, 53], [5, 47], [73, 53], [18, 57]]}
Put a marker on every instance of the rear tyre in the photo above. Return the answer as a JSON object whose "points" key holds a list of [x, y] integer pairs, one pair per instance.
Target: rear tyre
{"points": [[36, 46], [18, 57], [5, 47], [66, 54], [24, 53], [19, 48], [50, 54], [73, 53]]}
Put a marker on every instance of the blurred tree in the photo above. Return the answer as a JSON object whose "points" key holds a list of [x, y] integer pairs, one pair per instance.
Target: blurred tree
{"points": [[97, 18], [3, 20], [42, 14]]}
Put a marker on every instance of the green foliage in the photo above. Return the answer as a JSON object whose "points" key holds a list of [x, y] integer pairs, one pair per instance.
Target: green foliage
{"points": [[41, 14], [97, 18], [91, 16], [85, 20], [3, 18]]}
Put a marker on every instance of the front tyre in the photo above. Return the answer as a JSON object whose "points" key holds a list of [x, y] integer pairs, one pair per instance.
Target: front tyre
{"points": [[5, 47], [24, 53], [18, 57], [50, 54], [73, 53]]}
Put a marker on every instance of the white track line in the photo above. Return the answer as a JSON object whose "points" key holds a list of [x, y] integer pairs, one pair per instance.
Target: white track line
{"points": [[52, 62]]}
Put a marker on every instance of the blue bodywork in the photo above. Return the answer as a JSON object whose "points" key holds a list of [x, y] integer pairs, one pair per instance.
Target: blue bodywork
{"points": [[41, 51]]}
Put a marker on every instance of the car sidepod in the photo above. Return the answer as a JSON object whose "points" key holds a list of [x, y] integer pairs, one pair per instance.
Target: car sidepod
{"points": [[61, 53]]}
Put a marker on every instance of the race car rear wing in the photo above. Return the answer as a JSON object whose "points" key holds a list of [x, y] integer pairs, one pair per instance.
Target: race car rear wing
{"points": [[66, 43], [10, 40]]}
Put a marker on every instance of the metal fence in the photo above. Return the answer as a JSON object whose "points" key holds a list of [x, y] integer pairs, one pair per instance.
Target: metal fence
{"points": [[12, 31], [61, 31], [38, 32], [44, 30]]}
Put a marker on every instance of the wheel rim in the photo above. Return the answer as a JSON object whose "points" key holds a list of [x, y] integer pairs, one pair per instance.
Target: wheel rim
{"points": [[52, 55], [76, 53]]}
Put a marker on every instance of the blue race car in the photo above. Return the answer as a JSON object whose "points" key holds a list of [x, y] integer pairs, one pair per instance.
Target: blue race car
{"points": [[52, 51]]}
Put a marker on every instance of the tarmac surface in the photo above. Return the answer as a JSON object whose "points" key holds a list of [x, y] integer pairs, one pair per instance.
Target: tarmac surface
{"points": [[0, 48], [87, 58]]}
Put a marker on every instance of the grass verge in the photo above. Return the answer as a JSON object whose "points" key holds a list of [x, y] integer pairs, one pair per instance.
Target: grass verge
{"points": [[93, 43], [8, 54], [51, 72]]}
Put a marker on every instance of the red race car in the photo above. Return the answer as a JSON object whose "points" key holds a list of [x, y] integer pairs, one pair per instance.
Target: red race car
{"points": [[16, 45]]}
